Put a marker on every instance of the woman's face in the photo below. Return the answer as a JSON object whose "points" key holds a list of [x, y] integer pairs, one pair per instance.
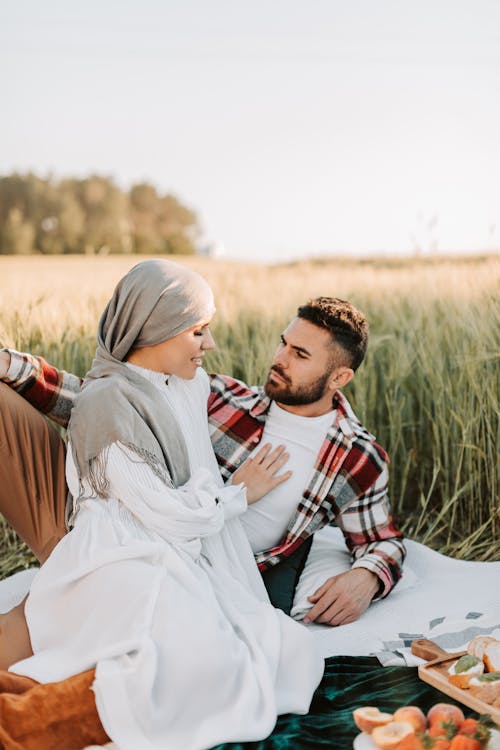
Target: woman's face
{"points": [[181, 355]]}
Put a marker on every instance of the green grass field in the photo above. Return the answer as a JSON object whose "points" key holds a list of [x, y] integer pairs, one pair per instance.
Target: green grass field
{"points": [[428, 389]]}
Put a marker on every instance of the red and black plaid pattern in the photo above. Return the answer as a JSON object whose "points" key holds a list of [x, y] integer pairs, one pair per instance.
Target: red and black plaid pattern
{"points": [[50, 390]]}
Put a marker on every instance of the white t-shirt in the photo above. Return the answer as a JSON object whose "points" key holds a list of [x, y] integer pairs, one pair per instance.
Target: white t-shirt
{"points": [[265, 521]]}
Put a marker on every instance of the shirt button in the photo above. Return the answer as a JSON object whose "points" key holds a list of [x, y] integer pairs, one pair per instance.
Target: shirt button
{"points": [[255, 440]]}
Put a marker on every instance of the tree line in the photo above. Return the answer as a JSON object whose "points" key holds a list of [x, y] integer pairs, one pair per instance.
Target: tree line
{"points": [[91, 215]]}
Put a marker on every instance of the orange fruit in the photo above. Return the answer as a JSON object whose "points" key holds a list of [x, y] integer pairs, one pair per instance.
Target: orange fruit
{"points": [[413, 715], [462, 742], [389, 736], [444, 713], [367, 718], [411, 742]]}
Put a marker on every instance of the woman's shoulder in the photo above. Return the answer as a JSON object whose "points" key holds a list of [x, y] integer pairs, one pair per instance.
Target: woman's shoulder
{"points": [[111, 399], [106, 390]]}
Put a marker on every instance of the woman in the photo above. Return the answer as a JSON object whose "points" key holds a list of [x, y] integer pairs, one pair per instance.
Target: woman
{"points": [[156, 586]]}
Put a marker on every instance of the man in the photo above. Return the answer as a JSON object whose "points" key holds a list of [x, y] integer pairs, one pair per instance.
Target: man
{"points": [[339, 472]]}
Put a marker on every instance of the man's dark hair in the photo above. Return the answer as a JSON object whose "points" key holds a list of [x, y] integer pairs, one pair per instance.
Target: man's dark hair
{"points": [[346, 325]]}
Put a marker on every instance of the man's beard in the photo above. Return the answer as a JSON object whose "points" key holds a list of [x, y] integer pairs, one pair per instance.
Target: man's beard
{"points": [[285, 393]]}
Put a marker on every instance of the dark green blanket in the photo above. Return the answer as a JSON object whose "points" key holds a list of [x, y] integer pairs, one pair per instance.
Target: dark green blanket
{"points": [[348, 682]]}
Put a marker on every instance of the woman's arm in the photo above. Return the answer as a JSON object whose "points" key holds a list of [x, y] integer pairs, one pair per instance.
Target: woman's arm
{"points": [[176, 514], [196, 509]]}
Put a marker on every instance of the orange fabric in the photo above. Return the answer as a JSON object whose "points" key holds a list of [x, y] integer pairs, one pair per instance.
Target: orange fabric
{"points": [[32, 483], [15, 641], [15, 683], [60, 715]]}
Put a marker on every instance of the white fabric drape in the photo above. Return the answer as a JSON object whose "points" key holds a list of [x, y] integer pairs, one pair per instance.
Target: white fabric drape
{"points": [[158, 589]]}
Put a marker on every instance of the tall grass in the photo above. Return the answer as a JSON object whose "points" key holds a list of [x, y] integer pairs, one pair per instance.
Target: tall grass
{"points": [[428, 388]]}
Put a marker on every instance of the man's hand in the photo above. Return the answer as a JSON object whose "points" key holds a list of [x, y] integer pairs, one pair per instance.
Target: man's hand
{"points": [[4, 364], [260, 472], [343, 598]]}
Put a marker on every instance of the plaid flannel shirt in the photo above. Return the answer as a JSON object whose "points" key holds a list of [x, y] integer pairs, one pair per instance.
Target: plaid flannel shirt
{"points": [[348, 486]]}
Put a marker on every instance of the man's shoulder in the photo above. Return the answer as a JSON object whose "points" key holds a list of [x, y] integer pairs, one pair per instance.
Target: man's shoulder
{"points": [[360, 437], [229, 396]]}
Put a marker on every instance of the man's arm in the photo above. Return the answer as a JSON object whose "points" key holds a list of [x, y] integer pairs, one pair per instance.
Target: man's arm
{"points": [[377, 550], [372, 536], [48, 389], [4, 363]]}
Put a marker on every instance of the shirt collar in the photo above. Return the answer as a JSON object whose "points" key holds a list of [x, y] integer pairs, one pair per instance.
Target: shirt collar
{"points": [[261, 406], [344, 418], [159, 379]]}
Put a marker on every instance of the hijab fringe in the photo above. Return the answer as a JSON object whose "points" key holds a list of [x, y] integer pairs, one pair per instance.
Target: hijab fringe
{"points": [[99, 482], [157, 466], [97, 474]]}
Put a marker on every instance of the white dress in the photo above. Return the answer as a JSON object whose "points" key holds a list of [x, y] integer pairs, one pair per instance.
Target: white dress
{"points": [[158, 589]]}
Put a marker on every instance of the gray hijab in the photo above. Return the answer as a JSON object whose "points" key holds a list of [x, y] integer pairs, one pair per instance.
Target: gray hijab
{"points": [[155, 301]]}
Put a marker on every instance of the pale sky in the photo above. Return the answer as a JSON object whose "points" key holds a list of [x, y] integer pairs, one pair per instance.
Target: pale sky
{"points": [[292, 128]]}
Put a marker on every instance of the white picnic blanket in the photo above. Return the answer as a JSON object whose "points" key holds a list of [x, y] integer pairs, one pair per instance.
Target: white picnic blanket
{"points": [[446, 600]]}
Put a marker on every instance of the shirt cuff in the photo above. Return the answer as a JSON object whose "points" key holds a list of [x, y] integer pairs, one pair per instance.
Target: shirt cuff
{"points": [[373, 564], [233, 499], [19, 369]]}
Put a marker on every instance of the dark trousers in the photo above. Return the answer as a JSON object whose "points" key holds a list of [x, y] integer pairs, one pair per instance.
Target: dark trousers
{"points": [[281, 580]]}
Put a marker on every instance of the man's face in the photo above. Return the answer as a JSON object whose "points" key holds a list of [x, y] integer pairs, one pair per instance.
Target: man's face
{"points": [[302, 365]]}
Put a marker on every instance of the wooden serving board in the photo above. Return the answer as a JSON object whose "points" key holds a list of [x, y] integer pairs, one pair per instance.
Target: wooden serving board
{"points": [[435, 673]]}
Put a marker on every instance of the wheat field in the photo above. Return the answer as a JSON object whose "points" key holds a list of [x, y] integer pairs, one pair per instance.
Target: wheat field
{"points": [[428, 388]]}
